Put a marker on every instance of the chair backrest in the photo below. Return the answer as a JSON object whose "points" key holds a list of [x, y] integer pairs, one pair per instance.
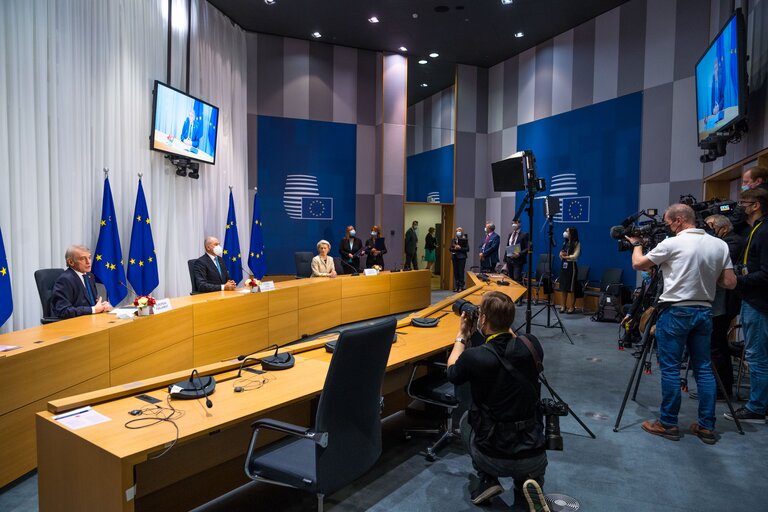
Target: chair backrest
{"points": [[543, 266], [610, 276], [303, 263], [45, 278], [337, 266], [191, 267], [349, 406], [583, 274]]}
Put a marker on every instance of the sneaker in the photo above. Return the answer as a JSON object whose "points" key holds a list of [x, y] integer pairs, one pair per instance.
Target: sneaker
{"points": [[657, 429], [707, 436], [486, 489], [745, 415], [534, 496]]}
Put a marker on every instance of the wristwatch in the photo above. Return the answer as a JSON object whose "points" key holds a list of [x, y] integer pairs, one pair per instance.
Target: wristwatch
{"points": [[637, 244], [461, 340]]}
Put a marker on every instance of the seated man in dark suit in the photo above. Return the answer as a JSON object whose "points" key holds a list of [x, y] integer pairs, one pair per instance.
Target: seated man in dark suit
{"points": [[210, 270], [74, 292]]}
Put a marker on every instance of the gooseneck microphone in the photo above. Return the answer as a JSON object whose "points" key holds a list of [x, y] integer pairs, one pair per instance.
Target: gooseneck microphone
{"points": [[244, 358], [355, 272], [199, 385]]}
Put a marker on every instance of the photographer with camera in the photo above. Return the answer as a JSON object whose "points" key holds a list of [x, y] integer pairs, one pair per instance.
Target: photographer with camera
{"points": [[503, 431], [692, 263]]}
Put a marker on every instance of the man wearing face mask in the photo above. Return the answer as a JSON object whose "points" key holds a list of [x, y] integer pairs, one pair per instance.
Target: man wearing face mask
{"points": [[517, 249], [210, 269], [752, 178], [503, 431], [692, 264], [411, 246], [489, 249], [459, 248], [349, 249]]}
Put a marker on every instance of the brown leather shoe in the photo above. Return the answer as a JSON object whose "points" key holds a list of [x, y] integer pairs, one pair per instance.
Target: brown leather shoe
{"points": [[657, 429], [707, 436]]}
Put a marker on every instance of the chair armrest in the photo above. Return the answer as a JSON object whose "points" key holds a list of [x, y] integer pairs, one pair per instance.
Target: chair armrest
{"points": [[320, 438]]}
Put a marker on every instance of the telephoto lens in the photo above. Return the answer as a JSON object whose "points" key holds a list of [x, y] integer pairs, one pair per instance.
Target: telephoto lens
{"points": [[552, 411], [464, 306]]}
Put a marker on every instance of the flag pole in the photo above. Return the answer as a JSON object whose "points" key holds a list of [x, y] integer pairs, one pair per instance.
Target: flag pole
{"points": [[106, 172]]}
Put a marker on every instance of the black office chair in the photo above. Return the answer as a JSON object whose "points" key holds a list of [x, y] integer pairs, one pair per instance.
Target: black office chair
{"points": [[345, 441], [610, 284], [303, 263], [337, 265], [542, 277], [45, 278], [434, 389], [191, 267]]}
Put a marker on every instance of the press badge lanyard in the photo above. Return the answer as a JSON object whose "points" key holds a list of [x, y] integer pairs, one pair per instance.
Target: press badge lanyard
{"points": [[749, 242], [489, 338]]}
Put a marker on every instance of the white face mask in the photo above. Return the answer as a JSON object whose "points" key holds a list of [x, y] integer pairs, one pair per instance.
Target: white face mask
{"points": [[515, 227], [352, 233], [415, 228], [458, 234], [218, 251], [744, 188], [373, 233], [565, 234]]}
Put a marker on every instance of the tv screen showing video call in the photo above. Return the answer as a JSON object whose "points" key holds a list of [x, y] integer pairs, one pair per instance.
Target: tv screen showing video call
{"points": [[183, 125]]}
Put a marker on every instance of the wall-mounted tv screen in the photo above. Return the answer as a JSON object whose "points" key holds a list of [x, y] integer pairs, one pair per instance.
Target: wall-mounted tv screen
{"points": [[183, 125], [721, 80]]}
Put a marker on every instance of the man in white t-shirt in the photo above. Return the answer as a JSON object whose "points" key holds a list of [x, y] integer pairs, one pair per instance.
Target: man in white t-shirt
{"points": [[692, 264]]}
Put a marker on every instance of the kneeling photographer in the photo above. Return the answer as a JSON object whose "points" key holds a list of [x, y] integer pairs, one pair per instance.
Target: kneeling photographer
{"points": [[503, 431]]}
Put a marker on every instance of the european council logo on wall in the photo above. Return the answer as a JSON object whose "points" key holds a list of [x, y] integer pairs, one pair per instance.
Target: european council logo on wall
{"points": [[302, 201], [573, 207]]}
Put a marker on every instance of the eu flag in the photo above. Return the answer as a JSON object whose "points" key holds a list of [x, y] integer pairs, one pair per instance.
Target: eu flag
{"points": [[232, 244], [318, 208], [108, 261], [576, 209], [142, 262], [6, 299], [256, 261]]}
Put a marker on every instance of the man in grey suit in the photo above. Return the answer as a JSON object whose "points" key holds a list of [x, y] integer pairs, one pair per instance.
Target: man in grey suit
{"points": [[411, 244]]}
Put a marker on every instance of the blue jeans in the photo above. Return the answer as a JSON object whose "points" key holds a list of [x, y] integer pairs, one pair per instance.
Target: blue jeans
{"points": [[755, 326], [676, 328]]}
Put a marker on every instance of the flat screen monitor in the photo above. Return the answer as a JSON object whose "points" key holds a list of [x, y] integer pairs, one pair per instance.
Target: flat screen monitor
{"points": [[508, 175], [183, 125], [721, 81]]}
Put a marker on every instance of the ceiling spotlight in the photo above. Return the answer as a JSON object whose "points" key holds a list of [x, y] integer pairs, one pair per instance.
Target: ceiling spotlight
{"points": [[422, 61], [506, 2], [270, 2], [373, 19], [519, 35], [424, 85], [403, 49], [317, 35], [434, 55]]}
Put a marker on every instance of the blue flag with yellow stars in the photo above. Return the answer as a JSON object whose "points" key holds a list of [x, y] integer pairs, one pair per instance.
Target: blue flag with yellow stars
{"points": [[256, 261], [142, 263], [6, 299], [108, 256], [232, 245]]}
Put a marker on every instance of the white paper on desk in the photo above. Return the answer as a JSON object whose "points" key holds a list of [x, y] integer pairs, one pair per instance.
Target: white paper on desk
{"points": [[8, 348], [123, 311], [80, 418]]}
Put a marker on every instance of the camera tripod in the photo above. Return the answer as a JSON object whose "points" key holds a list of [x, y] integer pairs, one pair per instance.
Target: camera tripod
{"points": [[643, 365], [552, 392]]}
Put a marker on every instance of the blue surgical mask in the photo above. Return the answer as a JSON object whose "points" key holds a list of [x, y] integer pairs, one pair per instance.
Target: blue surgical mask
{"points": [[645, 276], [744, 188], [352, 233]]}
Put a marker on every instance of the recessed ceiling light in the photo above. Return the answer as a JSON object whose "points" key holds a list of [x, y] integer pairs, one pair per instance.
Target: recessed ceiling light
{"points": [[403, 49], [422, 61], [519, 35], [317, 35], [424, 85], [434, 55], [506, 2], [373, 19], [270, 2]]}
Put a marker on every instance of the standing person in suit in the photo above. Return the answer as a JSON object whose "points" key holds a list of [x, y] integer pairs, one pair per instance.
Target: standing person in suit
{"points": [[210, 269], [489, 249], [375, 256], [430, 244], [349, 247], [74, 292], [459, 258], [411, 247], [515, 261], [568, 255]]}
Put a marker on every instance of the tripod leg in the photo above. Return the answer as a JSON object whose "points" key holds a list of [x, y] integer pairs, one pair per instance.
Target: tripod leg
{"points": [[728, 401], [645, 357], [646, 348], [562, 327]]}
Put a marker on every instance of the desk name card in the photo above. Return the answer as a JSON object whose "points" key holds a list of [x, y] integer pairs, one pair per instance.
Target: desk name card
{"points": [[163, 305], [267, 286]]}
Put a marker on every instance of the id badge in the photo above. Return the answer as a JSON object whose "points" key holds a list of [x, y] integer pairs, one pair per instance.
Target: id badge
{"points": [[565, 265], [744, 270]]}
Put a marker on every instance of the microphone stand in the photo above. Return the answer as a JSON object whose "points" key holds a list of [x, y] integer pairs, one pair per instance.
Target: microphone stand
{"points": [[355, 272]]}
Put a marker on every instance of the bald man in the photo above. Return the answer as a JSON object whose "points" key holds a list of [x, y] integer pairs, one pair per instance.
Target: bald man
{"points": [[210, 269]]}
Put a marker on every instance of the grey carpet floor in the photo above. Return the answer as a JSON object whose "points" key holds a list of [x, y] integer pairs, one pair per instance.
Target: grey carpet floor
{"points": [[626, 470]]}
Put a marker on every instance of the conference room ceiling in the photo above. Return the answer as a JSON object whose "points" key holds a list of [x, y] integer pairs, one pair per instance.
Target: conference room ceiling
{"points": [[476, 32]]}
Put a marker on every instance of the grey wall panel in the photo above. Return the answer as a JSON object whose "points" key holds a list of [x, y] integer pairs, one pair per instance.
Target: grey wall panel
{"points": [[659, 43], [631, 47], [678, 188], [417, 128], [296, 78], [392, 220], [251, 49], [543, 87], [379, 158], [495, 153], [482, 162], [583, 64], [465, 164], [269, 88], [656, 134], [366, 160], [493, 213], [562, 73], [508, 142], [504, 227], [526, 86], [365, 215], [321, 82], [606, 70], [426, 127], [653, 195], [366, 87], [684, 159], [694, 36], [466, 111], [476, 233], [509, 94], [393, 159], [344, 85], [395, 92], [464, 213], [496, 97], [482, 101], [410, 139]]}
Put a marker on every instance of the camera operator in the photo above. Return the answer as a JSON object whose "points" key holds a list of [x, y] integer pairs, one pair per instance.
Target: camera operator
{"points": [[752, 283], [692, 264], [752, 178], [503, 431]]}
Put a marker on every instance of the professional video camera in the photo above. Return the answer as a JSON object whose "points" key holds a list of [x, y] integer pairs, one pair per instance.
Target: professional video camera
{"points": [[704, 209], [651, 231]]}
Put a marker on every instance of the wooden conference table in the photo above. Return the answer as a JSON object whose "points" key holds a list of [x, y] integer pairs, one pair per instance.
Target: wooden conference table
{"points": [[109, 467], [98, 351]]}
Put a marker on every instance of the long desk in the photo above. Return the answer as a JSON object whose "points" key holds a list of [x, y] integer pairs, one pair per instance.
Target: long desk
{"points": [[108, 467], [98, 351]]}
